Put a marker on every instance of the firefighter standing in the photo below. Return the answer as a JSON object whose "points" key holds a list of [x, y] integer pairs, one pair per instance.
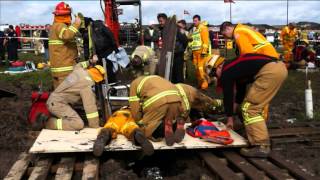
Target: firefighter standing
{"points": [[201, 49], [288, 37], [248, 40], [266, 75], [76, 86], [63, 51], [144, 61], [155, 103]]}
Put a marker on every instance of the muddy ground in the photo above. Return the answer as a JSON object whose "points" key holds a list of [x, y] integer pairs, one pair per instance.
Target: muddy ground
{"points": [[14, 137]]}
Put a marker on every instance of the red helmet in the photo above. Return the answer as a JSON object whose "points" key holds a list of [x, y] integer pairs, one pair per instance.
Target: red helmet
{"points": [[62, 9]]}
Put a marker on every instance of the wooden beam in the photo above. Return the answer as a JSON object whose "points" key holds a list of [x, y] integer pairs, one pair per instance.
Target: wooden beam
{"points": [[19, 167], [41, 169], [65, 169], [218, 167], [91, 168]]}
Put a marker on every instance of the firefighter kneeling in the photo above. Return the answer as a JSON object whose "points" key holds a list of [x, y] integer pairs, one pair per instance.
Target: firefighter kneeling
{"points": [[121, 122], [143, 61], [266, 75], [77, 85]]}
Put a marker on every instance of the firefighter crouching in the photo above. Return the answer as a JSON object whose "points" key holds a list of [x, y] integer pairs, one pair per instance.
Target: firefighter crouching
{"points": [[266, 75], [121, 122], [62, 45], [77, 85], [143, 61], [157, 105]]}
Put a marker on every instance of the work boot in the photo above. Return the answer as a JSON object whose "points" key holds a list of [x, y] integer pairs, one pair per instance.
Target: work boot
{"points": [[180, 132], [261, 151], [40, 122], [141, 140], [168, 132], [104, 138]]}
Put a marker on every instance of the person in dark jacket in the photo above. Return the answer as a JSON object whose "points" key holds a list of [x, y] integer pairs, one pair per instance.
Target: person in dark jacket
{"points": [[151, 36], [12, 44], [45, 34], [2, 47]]}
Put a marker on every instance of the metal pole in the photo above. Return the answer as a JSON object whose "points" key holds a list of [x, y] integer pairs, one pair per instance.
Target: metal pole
{"points": [[287, 12], [140, 24]]}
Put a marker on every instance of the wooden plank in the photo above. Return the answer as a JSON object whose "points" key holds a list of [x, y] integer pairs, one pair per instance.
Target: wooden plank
{"points": [[293, 131], [65, 169], [222, 170], [53, 141], [41, 169], [19, 167], [271, 170], [90, 168], [246, 168], [292, 168]]}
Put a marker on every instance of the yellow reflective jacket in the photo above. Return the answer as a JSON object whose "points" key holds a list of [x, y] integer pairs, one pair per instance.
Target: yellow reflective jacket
{"points": [[200, 38]]}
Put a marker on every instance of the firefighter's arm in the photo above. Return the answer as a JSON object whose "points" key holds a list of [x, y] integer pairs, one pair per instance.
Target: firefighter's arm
{"points": [[90, 106], [204, 33], [243, 44], [134, 102], [66, 33]]}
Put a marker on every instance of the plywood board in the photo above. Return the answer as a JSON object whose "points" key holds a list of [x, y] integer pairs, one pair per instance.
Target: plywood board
{"points": [[54, 141]]}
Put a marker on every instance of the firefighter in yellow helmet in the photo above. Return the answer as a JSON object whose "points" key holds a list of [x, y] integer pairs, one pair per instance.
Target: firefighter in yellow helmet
{"points": [[121, 122], [143, 61], [248, 41], [77, 86], [62, 45], [288, 37], [201, 50]]}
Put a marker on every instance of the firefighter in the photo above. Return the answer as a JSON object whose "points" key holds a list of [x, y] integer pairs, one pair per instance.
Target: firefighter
{"points": [[144, 61], [121, 122], [248, 40], [201, 49], [76, 86], [63, 51], [266, 75], [156, 103], [303, 54], [288, 37]]}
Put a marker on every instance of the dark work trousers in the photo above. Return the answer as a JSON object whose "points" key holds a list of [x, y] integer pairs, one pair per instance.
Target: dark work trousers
{"points": [[12, 51], [177, 68]]}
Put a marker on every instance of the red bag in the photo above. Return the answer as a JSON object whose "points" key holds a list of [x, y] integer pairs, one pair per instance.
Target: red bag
{"points": [[207, 131], [17, 64], [38, 105]]}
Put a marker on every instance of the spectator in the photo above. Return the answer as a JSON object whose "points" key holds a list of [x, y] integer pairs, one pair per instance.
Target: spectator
{"points": [[12, 44], [45, 34], [2, 48], [151, 36]]}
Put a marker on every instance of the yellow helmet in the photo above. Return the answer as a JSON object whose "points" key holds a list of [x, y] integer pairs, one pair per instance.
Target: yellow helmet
{"points": [[40, 65], [213, 63], [101, 69]]}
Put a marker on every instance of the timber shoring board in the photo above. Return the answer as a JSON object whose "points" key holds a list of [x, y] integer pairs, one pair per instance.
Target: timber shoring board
{"points": [[294, 131], [19, 167], [270, 169], [292, 168], [41, 170], [90, 168], [218, 167], [65, 169], [244, 166]]}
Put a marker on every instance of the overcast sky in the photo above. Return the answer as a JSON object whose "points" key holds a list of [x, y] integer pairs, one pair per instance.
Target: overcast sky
{"points": [[268, 12]]}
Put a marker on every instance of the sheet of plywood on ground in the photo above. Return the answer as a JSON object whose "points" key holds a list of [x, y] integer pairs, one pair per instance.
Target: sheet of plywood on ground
{"points": [[40, 171], [292, 168], [90, 168], [54, 141], [19, 167], [242, 164], [270, 169], [217, 166], [294, 131], [65, 169]]}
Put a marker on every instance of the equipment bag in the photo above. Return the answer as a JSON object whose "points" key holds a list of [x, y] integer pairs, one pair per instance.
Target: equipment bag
{"points": [[38, 106], [207, 131]]}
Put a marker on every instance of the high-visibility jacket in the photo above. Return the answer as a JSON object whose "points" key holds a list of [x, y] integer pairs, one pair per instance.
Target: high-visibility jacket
{"points": [[250, 41], [148, 93], [77, 85], [62, 48], [288, 36], [200, 38]]}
